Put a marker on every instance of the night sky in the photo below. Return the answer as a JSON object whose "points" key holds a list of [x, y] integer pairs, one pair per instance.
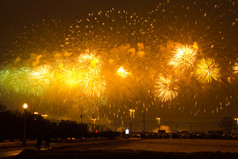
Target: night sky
{"points": [[216, 28], [26, 11]]}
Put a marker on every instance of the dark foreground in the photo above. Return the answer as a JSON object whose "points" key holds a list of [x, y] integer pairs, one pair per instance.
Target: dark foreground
{"points": [[137, 148], [117, 154]]}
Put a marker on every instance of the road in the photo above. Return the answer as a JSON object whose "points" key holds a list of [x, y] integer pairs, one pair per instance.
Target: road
{"points": [[136, 144], [162, 145], [14, 148]]}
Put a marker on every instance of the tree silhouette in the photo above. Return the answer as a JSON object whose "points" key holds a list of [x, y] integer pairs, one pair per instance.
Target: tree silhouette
{"points": [[227, 124]]}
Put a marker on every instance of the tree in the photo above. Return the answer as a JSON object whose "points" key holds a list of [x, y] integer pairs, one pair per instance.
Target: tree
{"points": [[227, 124], [2, 107]]}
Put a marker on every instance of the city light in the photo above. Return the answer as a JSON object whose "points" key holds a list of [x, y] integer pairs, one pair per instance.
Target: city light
{"points": [[44, 116], [25, 106], [132, 113]]}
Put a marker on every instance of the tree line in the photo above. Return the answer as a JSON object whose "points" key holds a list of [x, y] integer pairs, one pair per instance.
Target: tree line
{"points": [[12, 125]]}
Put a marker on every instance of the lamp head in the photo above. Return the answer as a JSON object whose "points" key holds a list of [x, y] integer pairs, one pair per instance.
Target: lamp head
{"points": [[25, 106]]}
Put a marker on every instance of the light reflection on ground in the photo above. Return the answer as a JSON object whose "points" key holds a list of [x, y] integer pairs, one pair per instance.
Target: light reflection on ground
{"points": [[10, 153]]}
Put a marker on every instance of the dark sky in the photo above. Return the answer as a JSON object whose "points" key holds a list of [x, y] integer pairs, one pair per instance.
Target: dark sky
{"points": [[24, 11]]}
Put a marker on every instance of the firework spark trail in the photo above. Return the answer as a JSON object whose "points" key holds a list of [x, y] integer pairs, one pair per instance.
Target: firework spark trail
{"points": [[235, 68], [100, 31]]}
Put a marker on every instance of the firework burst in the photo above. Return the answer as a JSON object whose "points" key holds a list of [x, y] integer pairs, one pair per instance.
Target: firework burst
{"points": [[71, 76], [19, 81], [183, 58], [92, 83], [42, 74], [4, 77], [40, 79], [165, 88], [207, 70]]}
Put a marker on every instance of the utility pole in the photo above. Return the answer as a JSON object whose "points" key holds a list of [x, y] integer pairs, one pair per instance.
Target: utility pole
{"points": [[144, 120], [158, 119], [25, 106], [81, 135], [132, 115], [203, 127]]}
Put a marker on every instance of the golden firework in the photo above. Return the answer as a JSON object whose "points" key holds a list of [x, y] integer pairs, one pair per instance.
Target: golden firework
{"points": [[235, 68], [195, 45], [183, 58], [40, 78], [42, 74], [165, 88], [5, 76], [92, 82], [90, 60], [207, 71], [72, 76], [122, 72]]}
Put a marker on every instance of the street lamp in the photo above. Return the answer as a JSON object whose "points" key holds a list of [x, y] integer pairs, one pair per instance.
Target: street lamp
{"points": [[25, 106], [35, 113], [132, 115], [94, 120], [81, 135], [44, 116], [236, 121], [158, 118]]}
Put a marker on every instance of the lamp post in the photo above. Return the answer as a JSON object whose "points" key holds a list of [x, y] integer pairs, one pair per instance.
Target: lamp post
{"points": [[158, 119], [25, 106], [81, 135], [236, 122], [132, 115], [44, 116], [35, 114], [94, 120]]}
